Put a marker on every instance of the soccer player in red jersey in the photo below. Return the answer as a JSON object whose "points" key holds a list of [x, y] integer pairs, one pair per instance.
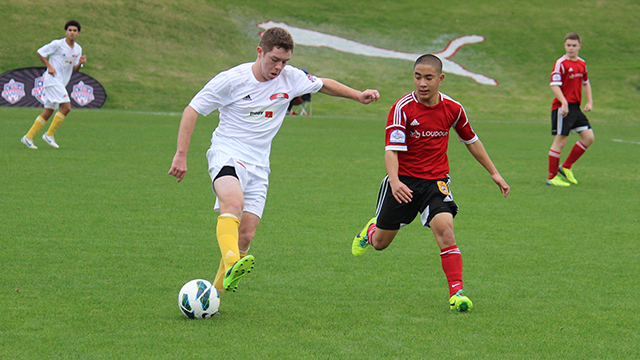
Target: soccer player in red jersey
{"points": [[418, 179], [568, 79]]}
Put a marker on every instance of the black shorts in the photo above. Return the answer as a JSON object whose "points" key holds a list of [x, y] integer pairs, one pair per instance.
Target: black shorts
{"points": [[575, 121], [430, 197]]}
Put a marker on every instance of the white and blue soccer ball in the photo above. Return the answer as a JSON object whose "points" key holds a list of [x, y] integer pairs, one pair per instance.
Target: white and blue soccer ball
{"points": [[198, 299]]}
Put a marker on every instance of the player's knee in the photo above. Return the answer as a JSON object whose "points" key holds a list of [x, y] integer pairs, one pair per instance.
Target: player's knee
{"points": [[245, 237]]}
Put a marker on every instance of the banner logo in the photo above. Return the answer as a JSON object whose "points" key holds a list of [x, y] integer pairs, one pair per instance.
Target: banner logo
{"points": [[13, 91], [38, 91], [82, 93]]}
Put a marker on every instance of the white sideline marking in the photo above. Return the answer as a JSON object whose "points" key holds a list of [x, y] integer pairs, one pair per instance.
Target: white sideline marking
{"points": [[314, 38], [626, 141]]}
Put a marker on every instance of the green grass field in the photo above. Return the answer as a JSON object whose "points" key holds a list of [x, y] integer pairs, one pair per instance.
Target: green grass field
{"points": [[96, 239]]}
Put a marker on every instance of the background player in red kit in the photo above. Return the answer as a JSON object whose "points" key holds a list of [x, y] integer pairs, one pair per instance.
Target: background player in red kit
{"points": [[568, 78], [417, 178]]}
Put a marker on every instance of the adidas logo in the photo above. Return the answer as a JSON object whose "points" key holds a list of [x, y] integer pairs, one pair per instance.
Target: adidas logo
{"points": [[414, 123], [229, 253], [570, 69], [248, 97]]}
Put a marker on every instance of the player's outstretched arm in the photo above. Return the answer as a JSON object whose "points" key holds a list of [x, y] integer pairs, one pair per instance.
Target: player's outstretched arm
{"points": [[335, 88], [480, 153], [187, 124]]}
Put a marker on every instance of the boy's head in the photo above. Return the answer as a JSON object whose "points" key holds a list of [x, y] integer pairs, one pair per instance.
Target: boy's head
{"points": [[572, 45], [72, 23], [274, 51], [427, 76], [276, 37], [429, 59], [573, 36]]}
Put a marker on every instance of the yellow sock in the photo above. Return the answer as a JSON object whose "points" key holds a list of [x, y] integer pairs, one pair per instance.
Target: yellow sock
{"points": [[57, 120], [227, 233], [217, 282], [37, 125]]}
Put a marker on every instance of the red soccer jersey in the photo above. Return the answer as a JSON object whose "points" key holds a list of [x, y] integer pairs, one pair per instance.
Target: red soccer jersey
{"points": [[420, 135], [570, 75]]}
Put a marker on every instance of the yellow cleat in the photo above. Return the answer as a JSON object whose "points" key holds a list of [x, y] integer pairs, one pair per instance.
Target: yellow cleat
{"points": [[360, 242], [460, 302], [568, 174], [557, 181]]}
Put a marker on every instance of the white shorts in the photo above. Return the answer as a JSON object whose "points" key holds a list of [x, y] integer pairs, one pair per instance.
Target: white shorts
{"points": [[55, 95], [254, 180]]}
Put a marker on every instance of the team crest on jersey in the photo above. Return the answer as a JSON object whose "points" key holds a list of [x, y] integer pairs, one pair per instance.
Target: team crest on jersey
{"points": [[397, 136], [82, 93], [443, 188], [311, 78], [279, 97], [38, 89], [13, 91]]}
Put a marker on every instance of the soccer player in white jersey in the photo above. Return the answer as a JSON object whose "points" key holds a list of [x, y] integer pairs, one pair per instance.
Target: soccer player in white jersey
{"points": [[252, 99], [569, 78], [64, 58], [417, 180]]}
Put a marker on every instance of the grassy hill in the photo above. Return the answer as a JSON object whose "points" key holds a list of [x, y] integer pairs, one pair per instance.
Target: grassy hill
{"points": [[154, 55]]}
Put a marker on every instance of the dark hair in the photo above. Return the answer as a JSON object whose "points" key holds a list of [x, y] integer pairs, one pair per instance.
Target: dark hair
{"points": [[429, 59], [72, 23], [276, 37], [573, 36]]}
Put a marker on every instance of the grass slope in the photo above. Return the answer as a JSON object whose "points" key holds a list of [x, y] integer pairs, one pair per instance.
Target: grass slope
{"points": [[156, 54]]}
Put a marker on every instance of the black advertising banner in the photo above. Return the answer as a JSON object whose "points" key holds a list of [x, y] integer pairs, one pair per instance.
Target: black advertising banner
{"points": [[25, 87]]}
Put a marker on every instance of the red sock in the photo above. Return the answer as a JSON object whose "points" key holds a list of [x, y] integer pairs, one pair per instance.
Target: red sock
{"points": [[370, 232], [577, 151], [452, 266], [554, 163]]}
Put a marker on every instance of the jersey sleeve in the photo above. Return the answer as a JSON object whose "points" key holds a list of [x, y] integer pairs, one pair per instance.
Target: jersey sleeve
{"points": [[396, 131], [77, 59], [556, 73], [49, 49], [463, 128], [215, 94], [305, 83], [585, 76]]}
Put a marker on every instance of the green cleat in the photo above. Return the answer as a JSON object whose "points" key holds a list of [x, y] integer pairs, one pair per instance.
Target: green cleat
{"points": [[460, 302], [237, 271], [568, 174], [557, 181], [360, 242]]}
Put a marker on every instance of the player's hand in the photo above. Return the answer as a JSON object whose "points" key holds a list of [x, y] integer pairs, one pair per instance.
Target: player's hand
{"points": [[51, 70], [83, 59], [588, 107], [504, 187], [369, 96], [178, 167], [400, 191], [564, 110]]}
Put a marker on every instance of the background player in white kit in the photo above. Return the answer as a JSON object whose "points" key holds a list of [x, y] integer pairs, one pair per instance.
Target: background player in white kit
{"points": [[417, 180], [65, 57], [252, 99]]}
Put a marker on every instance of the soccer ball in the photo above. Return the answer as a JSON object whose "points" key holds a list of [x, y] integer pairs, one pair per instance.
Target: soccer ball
{"points": [[198, 299]]}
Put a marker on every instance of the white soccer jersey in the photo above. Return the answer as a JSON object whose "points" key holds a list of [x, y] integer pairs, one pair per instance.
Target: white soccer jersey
{"points": [[251, 112], [62, 58]]}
